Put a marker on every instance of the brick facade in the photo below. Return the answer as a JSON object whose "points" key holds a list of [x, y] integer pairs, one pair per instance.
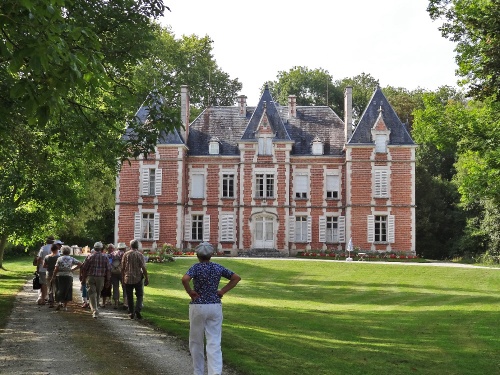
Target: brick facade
{"points": [[266, 188]]}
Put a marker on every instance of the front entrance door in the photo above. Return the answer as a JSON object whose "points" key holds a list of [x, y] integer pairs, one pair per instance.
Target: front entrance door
{"points": [[264, 233]]}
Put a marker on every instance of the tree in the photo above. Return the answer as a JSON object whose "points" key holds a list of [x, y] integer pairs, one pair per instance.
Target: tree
{"points": [[363, 85], [404, 102], [474, 26], [310, 86], [65, 69], [185, 61]]}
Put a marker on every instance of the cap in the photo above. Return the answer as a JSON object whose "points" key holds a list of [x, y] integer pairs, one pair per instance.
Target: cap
{"points": [[98, 245], [204, 249], [58, 242], [50, 238], [121, 245]]}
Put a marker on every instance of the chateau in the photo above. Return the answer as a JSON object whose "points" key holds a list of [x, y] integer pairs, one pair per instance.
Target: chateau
{"points": [[280, 178]]}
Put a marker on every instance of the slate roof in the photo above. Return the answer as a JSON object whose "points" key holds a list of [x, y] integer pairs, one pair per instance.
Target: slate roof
{"points": [[229, 127], [142, 114], [362, 134]]}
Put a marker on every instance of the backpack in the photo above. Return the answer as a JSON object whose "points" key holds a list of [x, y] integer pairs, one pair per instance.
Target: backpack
{"points": [[116, 266]]}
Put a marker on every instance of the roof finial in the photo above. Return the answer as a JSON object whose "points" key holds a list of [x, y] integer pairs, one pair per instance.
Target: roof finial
{"points": [[380, 110]]}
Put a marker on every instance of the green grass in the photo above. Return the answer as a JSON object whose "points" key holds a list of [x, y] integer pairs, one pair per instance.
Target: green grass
{"points": [[317, 317], [12, 279]]}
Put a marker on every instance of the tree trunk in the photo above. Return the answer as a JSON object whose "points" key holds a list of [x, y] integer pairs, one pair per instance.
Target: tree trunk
{"points": [[3, 242]]}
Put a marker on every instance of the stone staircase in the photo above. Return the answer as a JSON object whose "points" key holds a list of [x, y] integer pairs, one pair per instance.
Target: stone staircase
{"points": [[262, 253]]}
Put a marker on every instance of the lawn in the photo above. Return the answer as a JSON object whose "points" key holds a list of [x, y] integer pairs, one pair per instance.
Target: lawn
{"points": [[317, 317], [320, 317]]}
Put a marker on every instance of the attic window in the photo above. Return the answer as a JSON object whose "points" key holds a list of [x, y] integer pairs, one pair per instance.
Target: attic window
{"points": [[381, 143], [265, 145], [213, 147], [317, 147]]}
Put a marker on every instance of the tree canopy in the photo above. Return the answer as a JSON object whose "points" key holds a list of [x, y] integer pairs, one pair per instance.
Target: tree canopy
{"points": [[475, 27], [71, 73]]}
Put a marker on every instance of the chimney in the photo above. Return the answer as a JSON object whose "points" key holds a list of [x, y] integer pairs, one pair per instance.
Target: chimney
{"points": [[292, 106], [348, 113], [242, 101], [185, 111]]}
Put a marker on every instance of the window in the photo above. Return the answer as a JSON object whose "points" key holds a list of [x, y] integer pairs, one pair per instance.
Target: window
{"points": [[301, 229], [198, 186], [265, 146], [228, 185], [332, 234], [381, 143], [301, 187], [317, 147], [213, 147], [197, 228], [332, 229], [151, 181], [381, 189], [264, 184], [332, 186], [148, 222], [381, 228], [147, 226]]}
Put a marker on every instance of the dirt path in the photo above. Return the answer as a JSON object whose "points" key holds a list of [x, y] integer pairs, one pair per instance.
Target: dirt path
{"points": [[40, 340]]}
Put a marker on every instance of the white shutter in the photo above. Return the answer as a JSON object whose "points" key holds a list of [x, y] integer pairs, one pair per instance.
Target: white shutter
{"points": [[391, 233], [291, 228], [187, 228], [227, 228], [269, 146], [381, 183], [206, 228], [371, 228], [156, 229], [341, 228], [309, 229], [145, 181], [384, 191], [322, 229], [198, 186], [158, 181], [137, 225]]}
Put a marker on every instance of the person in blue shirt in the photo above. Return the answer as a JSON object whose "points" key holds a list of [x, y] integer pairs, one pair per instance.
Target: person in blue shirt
{"points": [[205, 309]]}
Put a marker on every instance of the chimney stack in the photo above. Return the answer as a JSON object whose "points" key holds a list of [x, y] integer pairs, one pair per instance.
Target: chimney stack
{"points": [[292, 106], [348, 113], [242, 102], [185, 111]]}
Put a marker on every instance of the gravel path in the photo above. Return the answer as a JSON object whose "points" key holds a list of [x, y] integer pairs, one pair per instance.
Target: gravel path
{"points": [[39, 340]]}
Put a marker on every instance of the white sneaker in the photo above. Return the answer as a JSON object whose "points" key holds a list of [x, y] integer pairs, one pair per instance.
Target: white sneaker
{"points": [[95, 314]]}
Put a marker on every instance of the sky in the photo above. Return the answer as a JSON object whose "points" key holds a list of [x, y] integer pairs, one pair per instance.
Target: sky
{"points": [[393, 40]]}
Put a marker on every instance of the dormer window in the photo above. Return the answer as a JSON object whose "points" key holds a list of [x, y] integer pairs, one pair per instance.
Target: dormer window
{"points": [[381, 143], [265, 145], [317, 146], [213, 147], [380, 133]]}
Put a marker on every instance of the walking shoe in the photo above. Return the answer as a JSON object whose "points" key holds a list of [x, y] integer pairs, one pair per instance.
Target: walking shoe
{"points": [[131, 316], [94, 314], [58, 307], [138, 315]]}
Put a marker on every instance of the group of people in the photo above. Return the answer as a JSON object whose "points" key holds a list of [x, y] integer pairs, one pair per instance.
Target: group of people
{"points": [[102, 270], [101, 275]]}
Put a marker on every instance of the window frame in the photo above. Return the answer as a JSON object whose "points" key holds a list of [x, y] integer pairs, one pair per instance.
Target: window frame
{"points": [[301, 186], [228, 185], [265, 189], [335, 194]]}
